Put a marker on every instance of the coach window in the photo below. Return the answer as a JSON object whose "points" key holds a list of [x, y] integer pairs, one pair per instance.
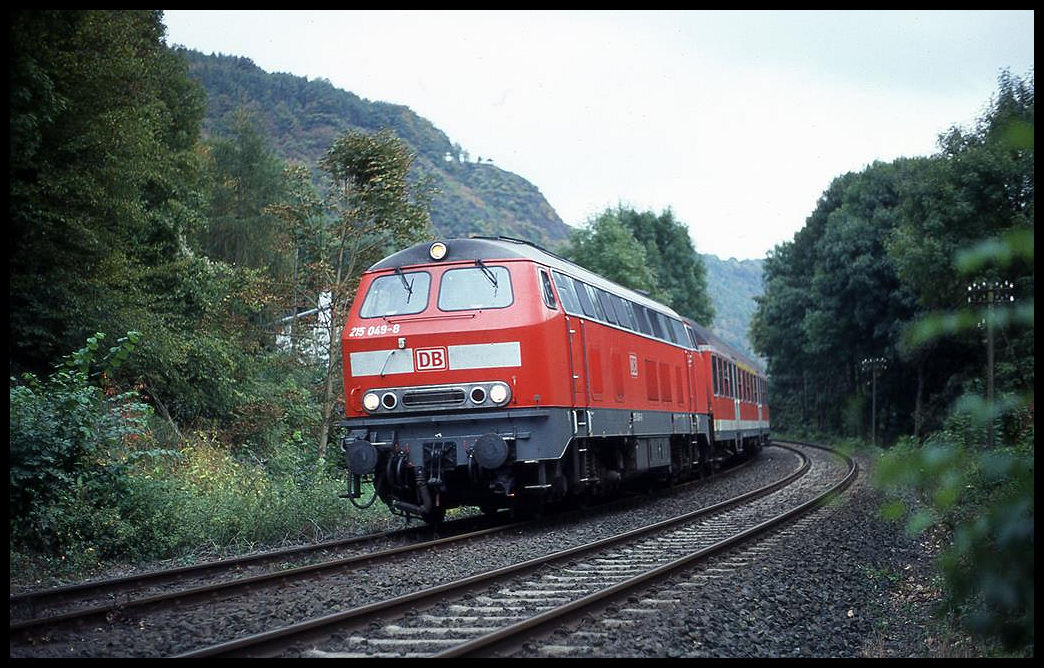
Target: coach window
{"points": [[665, 327], [692, 337], [668, 330], [475, 288], [396, 294], [643, 319], [679, 331], [714, 374], [567, 294], [607, 306], [549, 294], [623, 314], [593, 296], [585, 300], [657, 326]]}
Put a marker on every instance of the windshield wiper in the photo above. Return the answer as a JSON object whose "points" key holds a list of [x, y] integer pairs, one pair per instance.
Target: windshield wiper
{"points": [[405, 284], [486, 270]]}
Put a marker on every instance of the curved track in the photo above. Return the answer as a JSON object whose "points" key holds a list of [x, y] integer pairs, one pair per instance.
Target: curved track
{"points": [[473, 615]]}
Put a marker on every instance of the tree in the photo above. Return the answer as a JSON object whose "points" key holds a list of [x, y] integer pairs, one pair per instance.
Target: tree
{"points": [[247, 177], [883, 265], [647, 252], [373, 209], [678, 267], [104, 179], [108, 192], [607, 247]]}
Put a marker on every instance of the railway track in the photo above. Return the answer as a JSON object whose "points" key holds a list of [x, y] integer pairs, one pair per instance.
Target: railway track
{"points": [[490, 610], [116, 598], [109, 598]]}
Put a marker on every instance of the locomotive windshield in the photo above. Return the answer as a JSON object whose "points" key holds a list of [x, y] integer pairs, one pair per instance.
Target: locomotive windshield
{"points": [[475, 288], [397, 294]]}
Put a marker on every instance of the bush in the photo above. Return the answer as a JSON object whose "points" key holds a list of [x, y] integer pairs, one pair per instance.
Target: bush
{"points": [[71, 446], [984, 499], [88, 483]]}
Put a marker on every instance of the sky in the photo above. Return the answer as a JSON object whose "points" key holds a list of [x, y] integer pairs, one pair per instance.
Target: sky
{"points": [[736, 121]]}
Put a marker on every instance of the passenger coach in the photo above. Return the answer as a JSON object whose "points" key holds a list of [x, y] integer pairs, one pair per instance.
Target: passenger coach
{"points": [[490, 372]]}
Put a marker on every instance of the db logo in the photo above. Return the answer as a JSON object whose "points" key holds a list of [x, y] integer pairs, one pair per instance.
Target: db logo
{"points": [[430, 359]]}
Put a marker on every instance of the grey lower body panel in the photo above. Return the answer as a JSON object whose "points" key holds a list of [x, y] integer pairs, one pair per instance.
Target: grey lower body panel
{"points": [[536, 434]]}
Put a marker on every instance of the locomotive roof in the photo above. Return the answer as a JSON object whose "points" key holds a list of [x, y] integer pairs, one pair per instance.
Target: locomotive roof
{"points": [[506, 248]]}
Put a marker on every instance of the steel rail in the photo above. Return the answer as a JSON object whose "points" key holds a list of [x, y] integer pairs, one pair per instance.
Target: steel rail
{"points": [[240, 583], [532, 625], [269, 643], [155, 578]]}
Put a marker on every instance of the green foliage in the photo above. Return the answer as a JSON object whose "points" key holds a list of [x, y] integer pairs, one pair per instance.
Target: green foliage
{"points": [[645, 252], [71, 446], [886, 247], [209, 499], [247, 178], [983, 496], [985, 499], [680, 272], [608, 248], [103, 176], [89, 482]]}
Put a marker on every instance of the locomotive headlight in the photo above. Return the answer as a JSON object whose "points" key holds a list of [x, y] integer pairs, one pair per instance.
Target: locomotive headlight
{"points": [[437, 250], [371, 401], [499, 393]]}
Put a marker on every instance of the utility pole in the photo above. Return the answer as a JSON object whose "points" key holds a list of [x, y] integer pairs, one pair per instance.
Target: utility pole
{"points": [[990, 293], [873, 365]]}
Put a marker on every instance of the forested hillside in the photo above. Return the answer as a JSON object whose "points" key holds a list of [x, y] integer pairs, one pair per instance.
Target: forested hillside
{"points": [[303, 117], [733, 284]]}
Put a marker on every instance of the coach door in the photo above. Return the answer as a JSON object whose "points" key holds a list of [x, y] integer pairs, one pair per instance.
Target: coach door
{"points": [[736, 394], [690, 362]]}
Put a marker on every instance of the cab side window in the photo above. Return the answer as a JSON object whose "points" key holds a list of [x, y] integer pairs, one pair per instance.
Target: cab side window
{"points": [[549, 294]]}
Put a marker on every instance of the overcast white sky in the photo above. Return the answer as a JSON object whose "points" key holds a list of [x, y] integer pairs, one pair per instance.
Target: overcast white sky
{"points": [[736, 120]]}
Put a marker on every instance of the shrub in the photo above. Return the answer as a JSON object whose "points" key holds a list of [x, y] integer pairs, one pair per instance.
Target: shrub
{"points": [[71, 446], [984, 498]]}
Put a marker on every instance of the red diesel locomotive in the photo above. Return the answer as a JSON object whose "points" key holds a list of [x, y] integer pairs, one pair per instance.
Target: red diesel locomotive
{"points": [[489, 372]]}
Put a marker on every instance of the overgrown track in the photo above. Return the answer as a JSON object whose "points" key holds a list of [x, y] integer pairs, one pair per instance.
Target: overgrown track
{"points": [[458, 618]]}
